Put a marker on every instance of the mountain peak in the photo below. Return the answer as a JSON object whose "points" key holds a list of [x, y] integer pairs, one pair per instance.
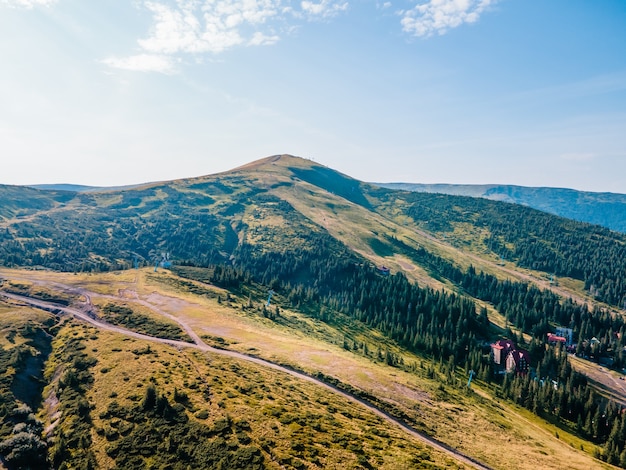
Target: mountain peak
{"points": [[284, 160]]}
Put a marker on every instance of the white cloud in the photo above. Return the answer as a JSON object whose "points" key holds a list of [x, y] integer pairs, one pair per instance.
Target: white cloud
{"points": [[142, 63], [261, 39], [196, 27], [29, 4], [192, 28], [323, 9], [439, 16]]}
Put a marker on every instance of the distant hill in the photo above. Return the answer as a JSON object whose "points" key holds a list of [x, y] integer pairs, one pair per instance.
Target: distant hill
{"points": [[606, 209], [79, 188]]}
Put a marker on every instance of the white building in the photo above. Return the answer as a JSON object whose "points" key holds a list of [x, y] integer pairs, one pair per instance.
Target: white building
{"points": [[566, 333]]}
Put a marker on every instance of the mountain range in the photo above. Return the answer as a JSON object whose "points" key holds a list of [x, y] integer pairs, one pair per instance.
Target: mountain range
{"points": [[392, 296], [606, 209], [601, 208], [208, 219]]}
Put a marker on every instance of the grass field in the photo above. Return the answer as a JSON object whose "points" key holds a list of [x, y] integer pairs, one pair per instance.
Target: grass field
{"points": [[476, 422]]}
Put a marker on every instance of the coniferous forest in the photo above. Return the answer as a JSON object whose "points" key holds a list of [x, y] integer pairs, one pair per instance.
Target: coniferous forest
{"points": [[531, 238], [448, 328]]}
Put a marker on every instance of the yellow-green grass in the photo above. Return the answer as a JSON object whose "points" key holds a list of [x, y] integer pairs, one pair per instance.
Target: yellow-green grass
{"points": [[104, 283], [410, 391], [13, 317], [514, 437], [608, 383], [481, 427], [290, 419], [354, 225], [139, 318]]}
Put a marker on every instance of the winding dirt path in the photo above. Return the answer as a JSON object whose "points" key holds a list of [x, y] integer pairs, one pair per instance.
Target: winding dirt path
{"points": [[200, 345]]}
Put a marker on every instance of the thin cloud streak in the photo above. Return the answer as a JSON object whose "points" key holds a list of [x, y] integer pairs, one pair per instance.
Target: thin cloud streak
{"points": [[143, 63], [28, 4], [439, 16]]}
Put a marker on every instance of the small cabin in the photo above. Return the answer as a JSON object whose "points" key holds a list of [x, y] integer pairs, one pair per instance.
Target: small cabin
{"points": [[384, 270]]}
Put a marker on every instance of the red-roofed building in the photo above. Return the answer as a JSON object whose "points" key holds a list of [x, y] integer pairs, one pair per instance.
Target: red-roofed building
{"points": [[500, 350], [508, 358], [553, 339], [518, 361]]}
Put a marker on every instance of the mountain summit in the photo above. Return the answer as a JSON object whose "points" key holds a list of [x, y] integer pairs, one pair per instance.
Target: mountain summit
{"points": [[282, 198]]}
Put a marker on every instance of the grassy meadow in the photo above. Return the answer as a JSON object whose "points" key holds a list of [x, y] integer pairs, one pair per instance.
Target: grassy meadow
{"points": [[288, 423]]}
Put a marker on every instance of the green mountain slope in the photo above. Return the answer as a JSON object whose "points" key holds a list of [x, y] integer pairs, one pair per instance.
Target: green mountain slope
{"points": [[460, 267], [276, 204], [606, 209], [112, 401]]}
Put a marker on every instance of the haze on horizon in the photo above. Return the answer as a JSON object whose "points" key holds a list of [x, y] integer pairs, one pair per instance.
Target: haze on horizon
{"points": [[529, 92]]}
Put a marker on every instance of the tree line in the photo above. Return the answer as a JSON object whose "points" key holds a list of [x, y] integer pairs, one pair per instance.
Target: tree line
{"points": [[533, 239], [534, 311]]}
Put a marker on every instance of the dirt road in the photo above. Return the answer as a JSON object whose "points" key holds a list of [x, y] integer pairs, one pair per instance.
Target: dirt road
{"points": [[200, 345]]}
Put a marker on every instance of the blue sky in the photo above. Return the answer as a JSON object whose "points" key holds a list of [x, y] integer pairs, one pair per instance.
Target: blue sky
{"points": [[528, 92]]}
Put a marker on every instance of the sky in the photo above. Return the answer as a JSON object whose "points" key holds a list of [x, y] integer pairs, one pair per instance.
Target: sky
{"points": [[115, 92]]}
